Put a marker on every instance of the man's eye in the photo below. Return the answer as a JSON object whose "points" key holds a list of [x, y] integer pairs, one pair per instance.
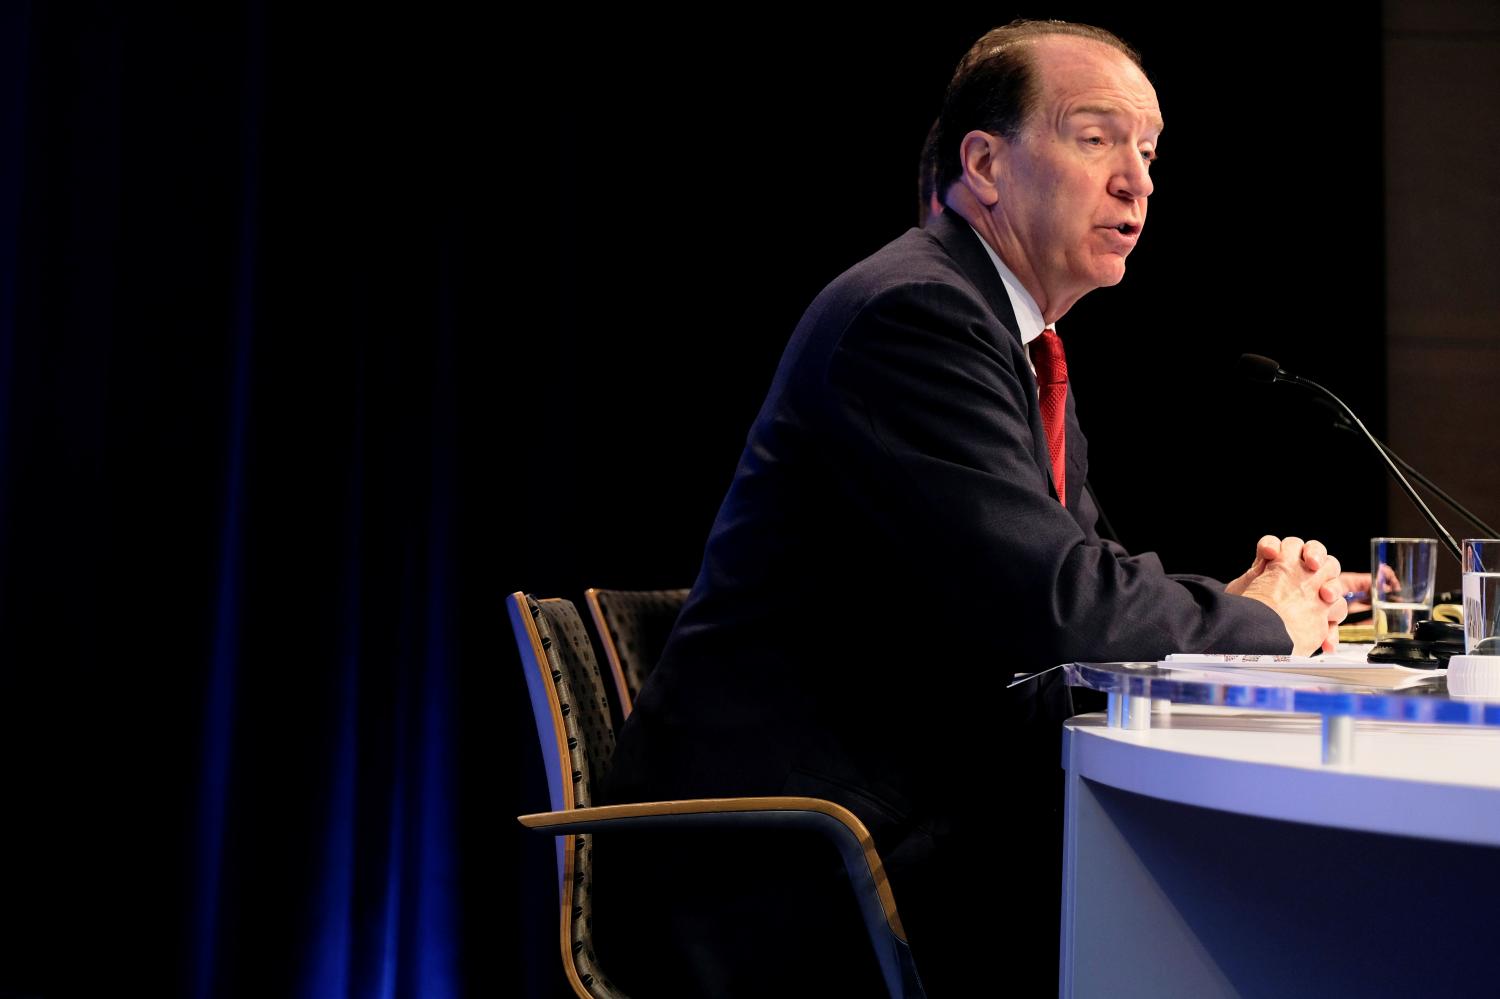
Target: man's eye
{"points": [[1095, 140], [1149, 155]]}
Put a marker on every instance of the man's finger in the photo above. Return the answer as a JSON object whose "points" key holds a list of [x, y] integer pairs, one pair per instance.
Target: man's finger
{"points": [[1291, 550], [1337, 611], [1328, 575], [1313, 554], [1268, 548], [1330, 569]]}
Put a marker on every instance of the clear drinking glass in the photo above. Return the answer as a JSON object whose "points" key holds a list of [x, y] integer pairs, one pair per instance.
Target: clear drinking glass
{"points": [[1482, 596], [1401, 576]]}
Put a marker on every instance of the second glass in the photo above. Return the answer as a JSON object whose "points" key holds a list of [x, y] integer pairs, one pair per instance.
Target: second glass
{"points": [[1401, 577]]}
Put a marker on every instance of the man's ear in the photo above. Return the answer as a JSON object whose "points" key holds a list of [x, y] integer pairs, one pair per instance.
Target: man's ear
{"points": [[982, 156]]}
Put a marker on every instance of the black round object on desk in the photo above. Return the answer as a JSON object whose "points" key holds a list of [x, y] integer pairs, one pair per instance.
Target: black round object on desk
{"points": [[1432, 646]]}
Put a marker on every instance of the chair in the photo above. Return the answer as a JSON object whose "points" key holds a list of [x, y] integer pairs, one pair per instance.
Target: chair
{"points": [[633, 626], [577, 740]]}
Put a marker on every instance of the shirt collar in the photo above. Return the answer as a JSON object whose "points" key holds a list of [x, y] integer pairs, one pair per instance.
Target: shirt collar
{"points": [[1028, 316]]}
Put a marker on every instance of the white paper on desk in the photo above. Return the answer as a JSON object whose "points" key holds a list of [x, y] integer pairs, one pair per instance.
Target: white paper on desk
{"points": [[1349, 661], [1348, 656]]}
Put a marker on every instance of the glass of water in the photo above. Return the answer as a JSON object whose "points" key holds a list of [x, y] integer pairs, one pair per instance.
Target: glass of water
{"points": [[1482, 596], [1401, 576]]}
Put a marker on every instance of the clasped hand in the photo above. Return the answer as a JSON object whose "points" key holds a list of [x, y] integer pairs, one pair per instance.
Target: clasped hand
{"points": [[1305, 586]]}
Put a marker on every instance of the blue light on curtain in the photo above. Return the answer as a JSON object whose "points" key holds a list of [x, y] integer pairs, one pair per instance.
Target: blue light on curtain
{"points": [[331, 938], [218, 712]]}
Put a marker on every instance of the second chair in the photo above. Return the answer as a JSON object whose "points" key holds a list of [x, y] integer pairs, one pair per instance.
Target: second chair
{"points": [[633, 627]]}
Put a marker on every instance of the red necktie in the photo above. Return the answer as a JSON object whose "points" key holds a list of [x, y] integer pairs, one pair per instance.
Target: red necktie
{"points": [[1052, 394]]}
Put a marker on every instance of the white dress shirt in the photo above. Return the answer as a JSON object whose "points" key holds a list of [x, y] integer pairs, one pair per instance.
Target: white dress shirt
{"points": [[1028, 317]]}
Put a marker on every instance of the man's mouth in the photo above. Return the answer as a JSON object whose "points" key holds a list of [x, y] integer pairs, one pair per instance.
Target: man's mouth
{"points": [[1126, 228]]}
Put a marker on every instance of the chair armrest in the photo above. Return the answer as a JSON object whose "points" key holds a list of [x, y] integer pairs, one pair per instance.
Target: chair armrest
{"points": [[832, 821]]}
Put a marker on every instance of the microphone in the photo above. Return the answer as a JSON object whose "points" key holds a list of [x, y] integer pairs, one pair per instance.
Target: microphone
{"points": [[1262, 369]]}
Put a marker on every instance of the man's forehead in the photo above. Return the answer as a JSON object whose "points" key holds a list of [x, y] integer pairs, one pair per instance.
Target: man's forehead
{"points": [[1081, 75]]}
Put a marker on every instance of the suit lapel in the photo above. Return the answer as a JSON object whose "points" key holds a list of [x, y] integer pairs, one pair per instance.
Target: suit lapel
{"points": [[964, 246], [960, 241]]}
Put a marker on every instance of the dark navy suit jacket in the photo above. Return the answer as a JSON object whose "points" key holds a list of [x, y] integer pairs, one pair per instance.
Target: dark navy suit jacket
{"points": [[890, 553]]}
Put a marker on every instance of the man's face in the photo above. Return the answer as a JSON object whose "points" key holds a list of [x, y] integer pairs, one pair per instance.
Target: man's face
{"points": [[1073, 183]]}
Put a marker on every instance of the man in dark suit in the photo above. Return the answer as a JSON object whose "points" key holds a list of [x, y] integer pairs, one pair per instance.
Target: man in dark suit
{"points": [[907, 530]]}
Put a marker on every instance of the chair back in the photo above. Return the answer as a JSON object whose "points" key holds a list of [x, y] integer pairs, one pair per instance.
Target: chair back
{"points": [[577, 739], [633, 627]]}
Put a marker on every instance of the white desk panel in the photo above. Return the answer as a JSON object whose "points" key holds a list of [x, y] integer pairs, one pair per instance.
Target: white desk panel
{"points": [[1215, 855]]}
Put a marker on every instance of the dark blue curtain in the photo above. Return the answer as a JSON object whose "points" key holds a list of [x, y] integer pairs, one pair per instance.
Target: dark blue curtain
{"points": [[245, 291]]}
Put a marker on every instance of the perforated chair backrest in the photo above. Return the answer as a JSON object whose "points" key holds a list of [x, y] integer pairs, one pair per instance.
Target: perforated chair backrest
{"points": [[577, 739], [634, 626]]}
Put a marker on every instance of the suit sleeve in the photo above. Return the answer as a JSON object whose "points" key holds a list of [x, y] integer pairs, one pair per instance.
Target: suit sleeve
{"points": [[933, 424]]}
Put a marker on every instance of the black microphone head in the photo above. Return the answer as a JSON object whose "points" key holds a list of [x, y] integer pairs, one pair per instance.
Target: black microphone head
{"points": [[1258, 369]]}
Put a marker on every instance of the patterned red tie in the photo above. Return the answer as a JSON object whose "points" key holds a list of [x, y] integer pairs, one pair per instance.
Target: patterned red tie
{"points": [[1052, 394]]}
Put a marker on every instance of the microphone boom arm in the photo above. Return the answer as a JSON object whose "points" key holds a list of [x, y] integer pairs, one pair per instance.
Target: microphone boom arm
{"points": [[1432, 487], [1385, 456]]}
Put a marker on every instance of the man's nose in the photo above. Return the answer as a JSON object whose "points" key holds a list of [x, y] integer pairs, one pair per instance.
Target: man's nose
{"points": [[1133, 179]]}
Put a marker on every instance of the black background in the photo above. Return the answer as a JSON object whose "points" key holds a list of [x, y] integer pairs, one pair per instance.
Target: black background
{"points": [[324, 333]]}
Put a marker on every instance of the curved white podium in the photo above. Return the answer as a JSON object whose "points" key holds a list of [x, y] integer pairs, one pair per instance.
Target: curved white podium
{"points": [[1214, 854]]}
